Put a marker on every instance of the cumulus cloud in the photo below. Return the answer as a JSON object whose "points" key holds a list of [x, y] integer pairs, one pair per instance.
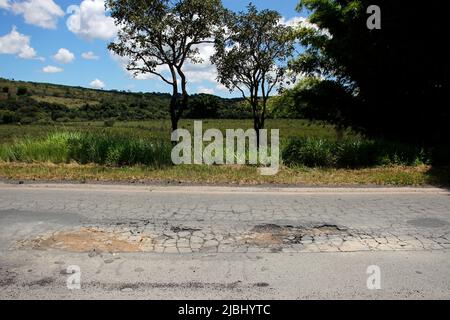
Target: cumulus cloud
{"points": [[195, 72], [17, 44], [124, 61], [64, 56], [89, 20], [205, 90], [98, 84], [42, 13], [52, 69], [4, 4], [89, 56], [303, 22], [204, 71]]}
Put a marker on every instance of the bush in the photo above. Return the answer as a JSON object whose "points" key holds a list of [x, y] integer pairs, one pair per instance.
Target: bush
{"points": [[318, 152], [7, 116], [109, 123], [27, 120], [310, 152], [21, 91]]}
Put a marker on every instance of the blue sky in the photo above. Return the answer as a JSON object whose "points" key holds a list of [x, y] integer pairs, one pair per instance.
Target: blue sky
{"points": [[44, 41]]}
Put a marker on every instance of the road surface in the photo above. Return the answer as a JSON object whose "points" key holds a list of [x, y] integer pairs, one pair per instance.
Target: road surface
{"points": [[155, 242]]}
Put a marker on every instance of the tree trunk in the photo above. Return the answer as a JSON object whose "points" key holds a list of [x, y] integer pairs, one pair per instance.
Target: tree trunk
{"points": [[256, 123], [174, 100], [173, 111]]}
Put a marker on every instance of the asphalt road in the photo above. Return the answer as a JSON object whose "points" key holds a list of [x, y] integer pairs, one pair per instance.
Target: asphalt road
{"points": [[153, 242]]}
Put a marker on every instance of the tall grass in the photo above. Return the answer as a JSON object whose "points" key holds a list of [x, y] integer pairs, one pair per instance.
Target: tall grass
{"points": [[119, 150], [54, 148], [351, 153], [89, 147], [106, 147]]}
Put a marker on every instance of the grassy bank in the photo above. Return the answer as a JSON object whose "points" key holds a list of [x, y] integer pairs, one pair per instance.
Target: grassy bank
{"points": [[236, 175], [140, 151]]}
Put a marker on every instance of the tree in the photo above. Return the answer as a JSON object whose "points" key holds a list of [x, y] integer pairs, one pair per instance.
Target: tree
{"points": [[22, 91], [161, 36], [252, 56], [204, 106], [398, 77]]}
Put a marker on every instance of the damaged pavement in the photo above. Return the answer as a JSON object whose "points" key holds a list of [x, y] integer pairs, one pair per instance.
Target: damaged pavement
{"points": [[156, 242]]}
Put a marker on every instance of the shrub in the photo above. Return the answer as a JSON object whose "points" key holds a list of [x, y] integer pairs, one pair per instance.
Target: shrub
{"points": [[21, 91], [318, 152], [310, 152], [7, 116], [27, 120], [109, 123]]}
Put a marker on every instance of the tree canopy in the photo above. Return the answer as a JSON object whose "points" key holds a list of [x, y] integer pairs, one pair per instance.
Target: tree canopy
{"points": [[251, 56], [395, 80], [160, 36]]}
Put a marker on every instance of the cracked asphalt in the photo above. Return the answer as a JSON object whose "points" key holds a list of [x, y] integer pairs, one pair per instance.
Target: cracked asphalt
{"points": [[155, 242]]}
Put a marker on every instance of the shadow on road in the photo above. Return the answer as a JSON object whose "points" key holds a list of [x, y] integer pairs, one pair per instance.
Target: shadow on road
{"points": [[439, 176]]}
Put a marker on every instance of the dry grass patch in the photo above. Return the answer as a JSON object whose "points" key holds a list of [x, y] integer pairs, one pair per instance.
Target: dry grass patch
{"points": [[232, 175]]}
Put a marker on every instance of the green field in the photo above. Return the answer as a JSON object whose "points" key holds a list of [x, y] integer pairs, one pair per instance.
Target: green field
{"points": [[161, 128], [36, 142]]}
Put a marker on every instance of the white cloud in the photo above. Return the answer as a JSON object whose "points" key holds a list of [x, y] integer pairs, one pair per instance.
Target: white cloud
{"points": [[4, 4], [124, 61], [42, 13], [98, 84], [17, 44], [88, 20], [89, 56], [52, 69], [64, 56], [195, 72], [303, 22], [292, 22], [205, 90], [204, 71]]}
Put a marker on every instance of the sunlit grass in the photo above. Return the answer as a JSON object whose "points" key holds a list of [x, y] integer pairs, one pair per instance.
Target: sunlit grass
{"points": [[227, 175]]}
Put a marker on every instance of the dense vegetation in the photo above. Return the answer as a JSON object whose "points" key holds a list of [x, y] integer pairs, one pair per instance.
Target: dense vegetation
{"points": [[27, 102], [382, 94], [119, 149], [391, 82], [303, 143]]}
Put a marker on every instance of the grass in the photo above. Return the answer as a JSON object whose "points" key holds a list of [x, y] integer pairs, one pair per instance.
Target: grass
{"points": [[129, 152], [68, 102], [103, 148], [161, 128], [234, 175], [352, 153]]}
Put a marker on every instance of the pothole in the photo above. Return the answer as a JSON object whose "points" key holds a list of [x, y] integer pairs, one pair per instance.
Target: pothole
{"points": [[88, 239], [272, 234], [180, 239]]}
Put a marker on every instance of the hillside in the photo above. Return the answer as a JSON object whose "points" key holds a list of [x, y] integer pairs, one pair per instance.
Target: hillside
{"points": [[31, 102]]}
